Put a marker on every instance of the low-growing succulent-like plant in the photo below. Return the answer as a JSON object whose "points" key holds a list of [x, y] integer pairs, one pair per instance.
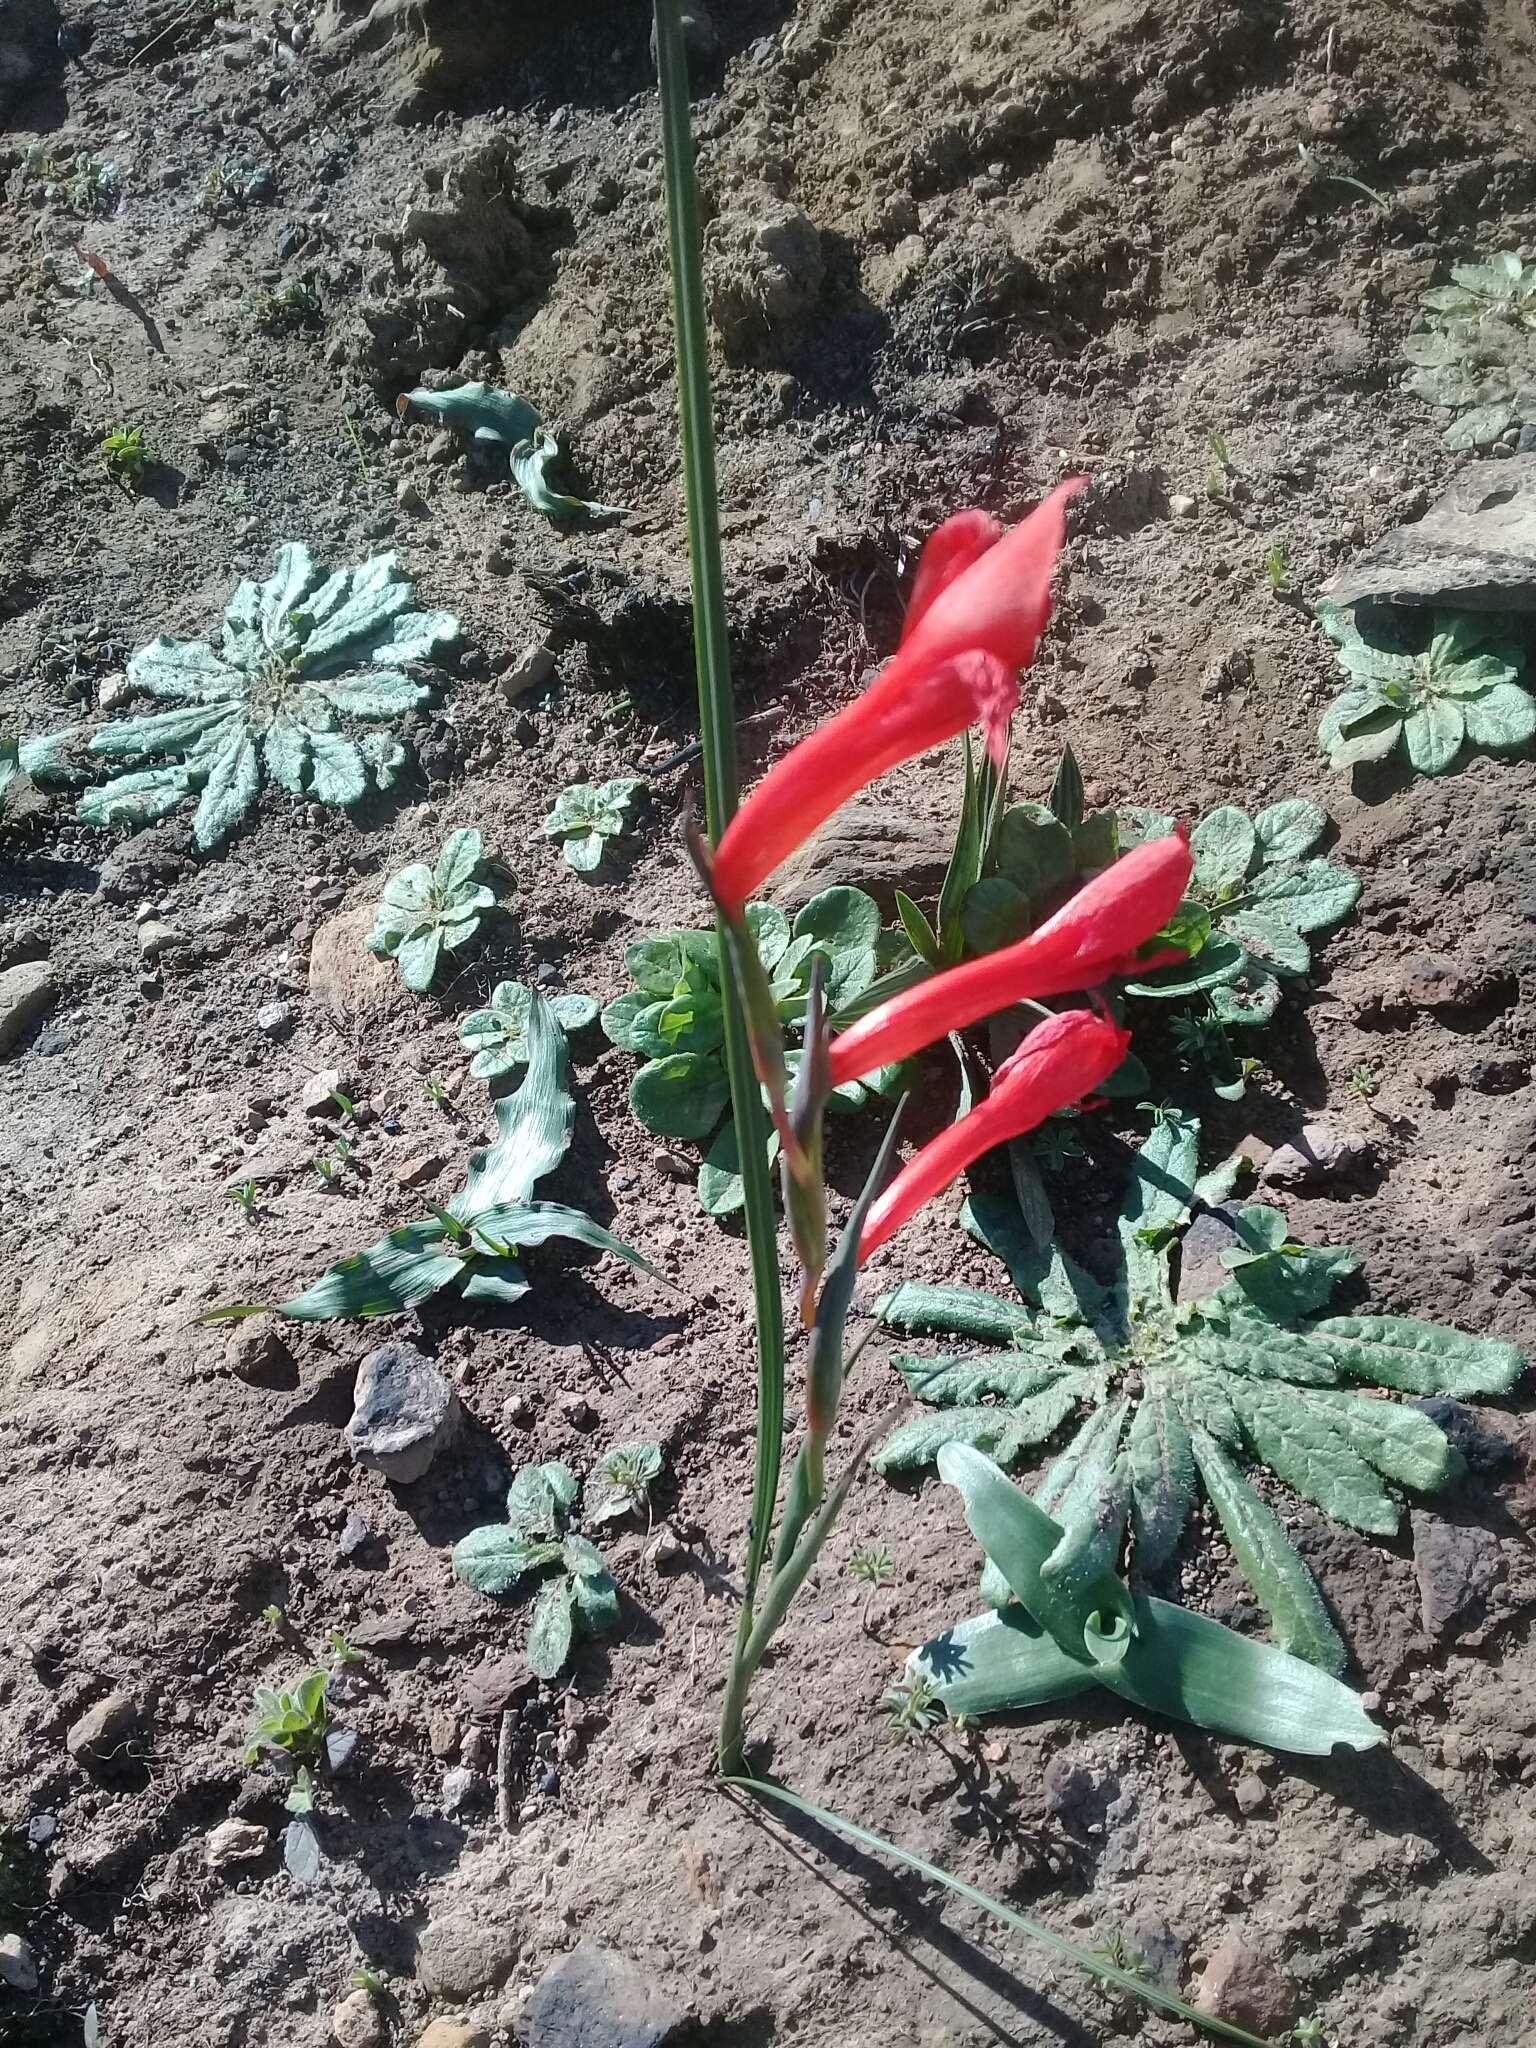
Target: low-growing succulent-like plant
{"points": [[673, 1019], [126, 455], [428, 911], [507, 421], [87, 185], [1475, 354], [1177, 1391], [587, 816], [472, 1246], [498, 1036], [620, 1482], [1258, 898], [299, 652], [1434, 686], [286, 309], [536, 1544]]}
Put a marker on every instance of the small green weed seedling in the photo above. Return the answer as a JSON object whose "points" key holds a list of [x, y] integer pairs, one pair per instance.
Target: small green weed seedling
{"points": [[1436, 690], [330, 1166], [576, 1596], [298, 652], [1178, 1391], [296, 1733], [86, 185], [428, 911], [364, 1979], [912, 1708], [875, 1568], [620, 1483], [439, 1095], [127, 456], [585, 818], [288, 309], [1365, 1081], [1278, 571], [498, 1036], [1317, 170], [472, 1246], [246, 1197], [341, 1650], [1218, 480], [345, 1106], [274, 1616]]}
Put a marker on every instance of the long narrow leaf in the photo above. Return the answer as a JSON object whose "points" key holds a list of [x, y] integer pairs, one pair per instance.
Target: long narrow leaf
{"points": [[1097, 1966]]}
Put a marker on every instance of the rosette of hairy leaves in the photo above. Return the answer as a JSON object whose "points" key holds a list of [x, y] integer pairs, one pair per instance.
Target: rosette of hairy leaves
{"points": [[472, 1247], [1475, 354], [428, 911], [498, 1035], [1433, 688], [586, 816], [675, 1021], [299, 653], [1258, 898], [1170, 1397], [537, 1546]]}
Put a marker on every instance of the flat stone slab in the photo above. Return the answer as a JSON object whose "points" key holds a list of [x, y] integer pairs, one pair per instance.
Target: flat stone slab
{"points": [[1474, 549]]}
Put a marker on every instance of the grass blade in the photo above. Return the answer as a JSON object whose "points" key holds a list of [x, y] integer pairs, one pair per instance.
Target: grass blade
{"points": [[1095, 1966]]}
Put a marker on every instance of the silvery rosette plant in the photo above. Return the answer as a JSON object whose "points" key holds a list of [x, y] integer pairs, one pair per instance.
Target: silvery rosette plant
{"points": [[1431, 684], [428, 910], [587, 815], [498, 1034], [1475, 354], [299, 655]]}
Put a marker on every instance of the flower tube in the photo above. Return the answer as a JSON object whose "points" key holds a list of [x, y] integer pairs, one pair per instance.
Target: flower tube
{"points": [[1094, 935], [980, 606], [1060, 1062]]}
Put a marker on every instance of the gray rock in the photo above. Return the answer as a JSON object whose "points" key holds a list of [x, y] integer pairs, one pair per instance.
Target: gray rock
{"points": [[420, 1170], [1458, 1566], [1474, 1435], [593, 1998], [257, 1353], [319, 1097], [356, 1535], [462, 1790], [139, 866], [1245, 1988], [156, 939], [275, 1020], [870, 845], [530, 671], [26, 991], [465, 1954], [18, 1965], [1252, 1794], [355, 988], [105, 1730], [1213, 1232], [358, 2022], [403, 1412], [234, 1841], [1318, 1154], [1474, 549], [1148, 1936]]}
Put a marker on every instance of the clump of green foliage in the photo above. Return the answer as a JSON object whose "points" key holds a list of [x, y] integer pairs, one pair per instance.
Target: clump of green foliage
{"points": [[428, 911], [620, 1483], [1474, 354], [498, 1036], [127, 456], [536, 1545], [1433, 685], [471, 1246], [1258, 898], [86, 185], [1177, 1391], [287, 308], [586, 817], [503, 420], [674, 1019], [297, 1733], [299, 652]]}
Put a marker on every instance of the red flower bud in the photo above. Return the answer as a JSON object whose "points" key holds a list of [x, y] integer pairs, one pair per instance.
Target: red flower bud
{"points": [[979, 605], [1094, 935], [1061, 1061]]}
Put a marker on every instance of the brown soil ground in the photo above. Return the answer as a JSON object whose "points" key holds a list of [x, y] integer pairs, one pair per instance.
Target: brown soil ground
{"points": [[1066, 236]]}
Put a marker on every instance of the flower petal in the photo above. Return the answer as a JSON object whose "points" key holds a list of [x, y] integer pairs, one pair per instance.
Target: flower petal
{"points": [[949, 551]]}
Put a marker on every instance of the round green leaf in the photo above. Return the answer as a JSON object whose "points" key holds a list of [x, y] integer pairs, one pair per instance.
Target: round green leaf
{"points": [[994, 914], [1218, 962], [680, 1096], [1310, 898], [770, 932], [1433, 735], [1501, 718], [1034, 849], [1290, 828], [1223, 845], [583, 851]]}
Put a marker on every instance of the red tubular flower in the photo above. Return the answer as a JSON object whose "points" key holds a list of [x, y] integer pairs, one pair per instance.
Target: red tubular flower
{"points": [[1062, 1060], [1094, 935], [979, 606]]}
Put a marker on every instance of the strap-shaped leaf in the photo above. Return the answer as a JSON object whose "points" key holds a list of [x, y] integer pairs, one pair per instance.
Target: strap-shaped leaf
{"points": [[1418, 1357], [999, 1662], [1004, 1433], [161, 732], [1260, 1351], [187, 670], [1088, 1617], [139, 797], [387, 1278], [1157, 1202], [283, 592], [1402, 1443], [1189, 1667], [232, 786], [1091, 1506], [927, 1310], [1299, 1441], [1162, 1471], [522, 1224], [500, 1281], [533, 1126], [1285, 1588], [1204, 1403]]}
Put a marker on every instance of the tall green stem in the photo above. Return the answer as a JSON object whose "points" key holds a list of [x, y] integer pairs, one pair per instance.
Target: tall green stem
{"points": [[717, 730]]}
